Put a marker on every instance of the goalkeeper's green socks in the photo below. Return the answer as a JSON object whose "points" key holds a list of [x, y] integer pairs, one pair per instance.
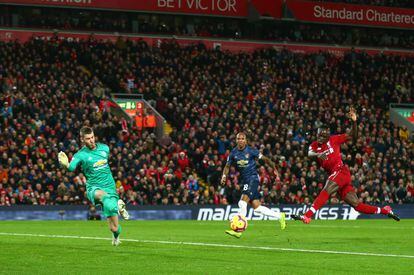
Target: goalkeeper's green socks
{"points": [[116, 234]]}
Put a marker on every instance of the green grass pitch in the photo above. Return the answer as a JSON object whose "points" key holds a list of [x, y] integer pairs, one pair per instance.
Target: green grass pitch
{"points": [[193, 247]]}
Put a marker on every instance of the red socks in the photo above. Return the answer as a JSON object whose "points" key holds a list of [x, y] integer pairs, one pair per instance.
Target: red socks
{"points": [[368, 209], [361, 207], [318, 203]]}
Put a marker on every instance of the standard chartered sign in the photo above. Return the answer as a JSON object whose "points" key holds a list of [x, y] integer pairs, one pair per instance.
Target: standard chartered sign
{"points": [[325, 213]]}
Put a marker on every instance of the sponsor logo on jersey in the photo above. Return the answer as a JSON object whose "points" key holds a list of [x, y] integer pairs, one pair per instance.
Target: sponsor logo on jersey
{"points": [[100, 164], [242, 163]]}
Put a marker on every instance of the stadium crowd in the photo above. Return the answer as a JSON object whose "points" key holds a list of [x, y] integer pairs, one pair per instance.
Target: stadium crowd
{"points": [[49, 89], [341, 35]]}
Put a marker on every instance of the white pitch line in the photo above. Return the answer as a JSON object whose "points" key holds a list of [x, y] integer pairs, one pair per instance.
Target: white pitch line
{"points": [[213, 245], [359, 227]]}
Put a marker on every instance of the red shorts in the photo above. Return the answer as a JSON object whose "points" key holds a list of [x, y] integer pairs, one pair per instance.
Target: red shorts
{"points": [[342, 177]]}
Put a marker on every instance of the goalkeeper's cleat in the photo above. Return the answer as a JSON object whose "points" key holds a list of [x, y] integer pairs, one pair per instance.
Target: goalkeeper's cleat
{"points": [[282, 220], [302, 218], [233, 233], [116, 241], [122, 210], [390, 213]]}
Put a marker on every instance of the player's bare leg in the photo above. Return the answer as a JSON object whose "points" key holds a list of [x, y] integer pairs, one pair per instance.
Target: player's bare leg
{"points": [[352, 199], [330, 188], [110, 208], [99, 194], [115, 229], [258, 208]]}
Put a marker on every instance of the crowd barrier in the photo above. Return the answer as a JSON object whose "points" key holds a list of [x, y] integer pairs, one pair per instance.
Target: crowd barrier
{"points": [[204, 212]]}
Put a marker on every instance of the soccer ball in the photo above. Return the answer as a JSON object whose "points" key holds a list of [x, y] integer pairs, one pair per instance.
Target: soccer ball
{"points": [[238, 223]]}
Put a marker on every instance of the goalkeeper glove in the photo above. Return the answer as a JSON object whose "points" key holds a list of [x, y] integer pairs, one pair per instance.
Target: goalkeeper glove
{"points": [[63, 159]]}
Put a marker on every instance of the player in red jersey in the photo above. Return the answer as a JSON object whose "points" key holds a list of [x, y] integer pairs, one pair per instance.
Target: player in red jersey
{"points": [[327, 149]]}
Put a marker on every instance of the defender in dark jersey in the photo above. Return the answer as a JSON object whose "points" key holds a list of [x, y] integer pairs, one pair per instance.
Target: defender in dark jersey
{"points": [[327, 149], [244, 158]]}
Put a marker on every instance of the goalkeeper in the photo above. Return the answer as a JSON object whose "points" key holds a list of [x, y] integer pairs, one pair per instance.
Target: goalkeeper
{"points": [[100, 185]]}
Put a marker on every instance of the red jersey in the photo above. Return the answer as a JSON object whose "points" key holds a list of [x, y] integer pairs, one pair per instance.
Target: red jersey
{"points": [[333, 152]]}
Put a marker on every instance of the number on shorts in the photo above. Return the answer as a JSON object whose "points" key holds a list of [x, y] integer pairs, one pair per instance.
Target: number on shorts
{"points": [[245, 187]]}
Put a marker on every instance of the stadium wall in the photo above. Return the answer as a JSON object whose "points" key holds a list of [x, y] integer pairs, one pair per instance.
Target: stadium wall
{"points": [[300, 10], [204, 213]]}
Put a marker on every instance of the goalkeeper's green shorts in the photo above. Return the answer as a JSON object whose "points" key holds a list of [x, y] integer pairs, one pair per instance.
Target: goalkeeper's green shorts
{"points": [[90, 193], [111, 201]]}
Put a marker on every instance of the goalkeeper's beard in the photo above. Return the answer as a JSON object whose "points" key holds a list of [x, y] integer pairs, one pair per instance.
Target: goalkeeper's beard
{"points": [[91, 146]]}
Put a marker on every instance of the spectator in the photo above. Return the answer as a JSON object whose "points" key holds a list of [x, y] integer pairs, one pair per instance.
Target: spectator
{"points": [[92, 214], [6, 111], [403, 133]]}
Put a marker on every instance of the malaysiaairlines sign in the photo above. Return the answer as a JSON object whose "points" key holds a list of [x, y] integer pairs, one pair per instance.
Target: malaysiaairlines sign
{"points": [[223, 213]]}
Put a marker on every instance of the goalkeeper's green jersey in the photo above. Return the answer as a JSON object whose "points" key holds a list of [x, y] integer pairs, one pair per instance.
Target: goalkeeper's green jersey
{"points": [[94, 165]]}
